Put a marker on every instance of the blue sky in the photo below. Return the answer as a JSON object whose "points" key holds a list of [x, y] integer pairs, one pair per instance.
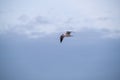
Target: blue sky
{"points": [[30, 47]]}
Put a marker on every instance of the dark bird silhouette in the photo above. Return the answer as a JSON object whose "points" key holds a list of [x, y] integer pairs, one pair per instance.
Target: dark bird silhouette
{"points": [[67, 34]]}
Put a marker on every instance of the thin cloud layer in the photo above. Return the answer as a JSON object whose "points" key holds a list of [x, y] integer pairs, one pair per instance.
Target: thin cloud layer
{"points": [[49, 19], [37, 27], [41, 26]]}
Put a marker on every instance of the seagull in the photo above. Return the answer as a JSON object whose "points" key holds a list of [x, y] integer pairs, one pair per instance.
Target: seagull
{"points": [[67, 34]]}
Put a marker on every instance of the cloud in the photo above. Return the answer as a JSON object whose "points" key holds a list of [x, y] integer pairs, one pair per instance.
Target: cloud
{"points": [[77, 15], [37, 27], [23, 18], [39, 18], [41, 26]]}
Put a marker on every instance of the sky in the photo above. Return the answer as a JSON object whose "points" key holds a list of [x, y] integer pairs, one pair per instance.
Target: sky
{"points": [[30, 47]]}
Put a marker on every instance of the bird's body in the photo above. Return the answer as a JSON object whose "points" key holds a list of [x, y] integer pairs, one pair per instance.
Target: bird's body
{"points": [[67, 34]]}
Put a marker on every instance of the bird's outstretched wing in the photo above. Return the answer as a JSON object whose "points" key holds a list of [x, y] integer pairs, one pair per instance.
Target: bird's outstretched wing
{"points": [[61, 38], [68, 32]]}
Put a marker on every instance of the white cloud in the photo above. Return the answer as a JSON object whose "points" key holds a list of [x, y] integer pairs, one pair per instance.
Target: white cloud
{"points": [[49, 18], [40, 28]]}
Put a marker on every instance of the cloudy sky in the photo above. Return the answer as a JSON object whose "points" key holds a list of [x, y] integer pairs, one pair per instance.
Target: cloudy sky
{"points": [[29, 39], [33, 18]]}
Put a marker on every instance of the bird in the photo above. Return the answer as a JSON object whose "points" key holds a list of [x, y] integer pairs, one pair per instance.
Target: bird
{"points": [[66, 34]]}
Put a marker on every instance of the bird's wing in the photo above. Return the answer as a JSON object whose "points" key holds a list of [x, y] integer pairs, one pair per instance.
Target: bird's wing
{"points": [[61, 38], [68, 32]]}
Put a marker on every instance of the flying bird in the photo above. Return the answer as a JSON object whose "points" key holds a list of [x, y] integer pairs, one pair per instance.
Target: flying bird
{"points": [[67, 34]]}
